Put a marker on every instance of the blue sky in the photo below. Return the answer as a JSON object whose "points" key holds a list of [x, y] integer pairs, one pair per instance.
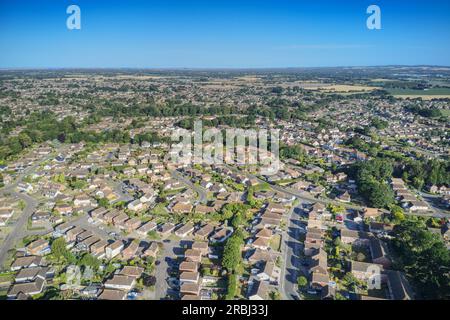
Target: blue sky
{"points": [[222, 33]]}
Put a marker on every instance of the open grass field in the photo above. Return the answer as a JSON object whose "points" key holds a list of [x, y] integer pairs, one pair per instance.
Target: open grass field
{"points": [[446, 113], [339, 88], [434, 93]]}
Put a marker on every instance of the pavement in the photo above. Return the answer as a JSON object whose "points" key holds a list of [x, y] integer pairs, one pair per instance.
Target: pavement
{"points": [[291, 248], [167, 258], [118, 189], [202, 193], [437, 211], [298, 194], [19, 229]]}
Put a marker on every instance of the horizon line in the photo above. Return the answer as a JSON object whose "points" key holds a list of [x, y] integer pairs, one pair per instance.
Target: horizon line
{"points": [[222, 68]]}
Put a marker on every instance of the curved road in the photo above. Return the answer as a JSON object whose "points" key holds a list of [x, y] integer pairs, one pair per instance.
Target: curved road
{"points": [[202, 194], [19, 229]]}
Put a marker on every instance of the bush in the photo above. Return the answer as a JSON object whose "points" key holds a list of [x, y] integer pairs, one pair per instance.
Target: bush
{"points": [[302, 282], [231, 287]]}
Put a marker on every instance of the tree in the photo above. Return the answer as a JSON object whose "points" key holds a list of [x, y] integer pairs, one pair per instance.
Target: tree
{"points": [[103, 202], [372, 177], [230, 209], [22, 205], [148, 281], [302, 282], [59, 247], [350, 281], [60, 251], [232, 252], [25, 140], [236, 221], [59, 178], [78, 184], [275, 295], [424, 258], [334, 209], [397, 213], [150, 265], [250, 197], [89, 260], [380, 196], [360, 257], [231, 287]]}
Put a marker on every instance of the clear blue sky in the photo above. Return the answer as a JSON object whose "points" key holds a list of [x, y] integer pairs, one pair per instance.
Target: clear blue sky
{"points": [[222, 33]]}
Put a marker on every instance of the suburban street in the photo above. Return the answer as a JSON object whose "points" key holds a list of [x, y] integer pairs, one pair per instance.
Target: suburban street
{"points": [[167, 258], [202, 194], [18, 230], [299, 195], [291, 248], [118, 189]]}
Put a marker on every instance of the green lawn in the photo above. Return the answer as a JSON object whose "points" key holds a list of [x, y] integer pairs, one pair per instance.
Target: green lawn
{"points": [[412, 92], [275, 242], [445, 112]]}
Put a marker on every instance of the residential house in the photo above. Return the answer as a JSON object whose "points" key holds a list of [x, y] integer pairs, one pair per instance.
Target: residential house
{"points": [[187, 276], [205, 231], [120, 282], [363, 270], [185, 230], [132, 224], [399, 288], [355, 237], [259, 290], [98, 249], [379, 253], [28, 288], [136, 205], [188, 266], [111, 294], [371, 213], [114, 249], [152, 250], [318, 262], [144, 229], [182, 208], [71, 234], [27, 262], [38, 247], [261, 243], [319, 280], [166, 229], [193, 255], [131, 271], [130, 251], [189, 288], [200, 246], [270, 272]]}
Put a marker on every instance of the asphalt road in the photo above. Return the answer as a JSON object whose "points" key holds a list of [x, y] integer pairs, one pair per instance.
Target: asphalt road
{"points": [[202, 194], [123, 196], [291, 248], [19, 229], [433, 202], [299, 195], [167, 257]]}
